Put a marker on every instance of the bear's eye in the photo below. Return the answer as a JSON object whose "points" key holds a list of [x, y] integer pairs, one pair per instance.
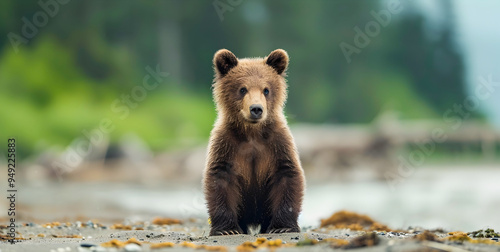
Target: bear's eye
{"points": [[243, 90], [266, 91]]}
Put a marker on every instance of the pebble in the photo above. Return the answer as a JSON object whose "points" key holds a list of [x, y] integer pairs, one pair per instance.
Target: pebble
{"points": [[132, 247], [495, 239], [99, 249], [87, 245], [215, 240]]}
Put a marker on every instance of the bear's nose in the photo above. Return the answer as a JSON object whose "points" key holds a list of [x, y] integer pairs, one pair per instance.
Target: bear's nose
{"points": [[256, 111]]}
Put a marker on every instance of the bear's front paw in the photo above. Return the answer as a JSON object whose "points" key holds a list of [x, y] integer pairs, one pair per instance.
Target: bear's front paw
{"points": [[283, 230], [226, 232]]}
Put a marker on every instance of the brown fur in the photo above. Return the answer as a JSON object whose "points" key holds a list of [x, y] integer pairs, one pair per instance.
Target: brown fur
{"points": [[253, 174]]}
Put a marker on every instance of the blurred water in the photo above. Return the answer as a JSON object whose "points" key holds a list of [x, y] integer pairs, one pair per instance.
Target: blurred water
{"points": [[450, 198], [466, 199]]}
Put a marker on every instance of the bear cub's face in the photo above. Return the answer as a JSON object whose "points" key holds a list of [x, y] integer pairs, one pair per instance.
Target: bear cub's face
{"points": [[250, 90]]}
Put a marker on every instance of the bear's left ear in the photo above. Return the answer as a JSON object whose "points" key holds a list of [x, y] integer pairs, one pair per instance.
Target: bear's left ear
{"points": [[278, 59], [224, 60]]}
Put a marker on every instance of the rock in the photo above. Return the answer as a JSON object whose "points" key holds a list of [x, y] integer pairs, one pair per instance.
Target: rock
{"points": [[90, 224], [87, 245], [132, 247]]}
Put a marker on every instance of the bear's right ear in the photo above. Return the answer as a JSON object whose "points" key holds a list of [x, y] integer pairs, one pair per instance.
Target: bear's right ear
{"points": [[278, 59], [224, 60]]}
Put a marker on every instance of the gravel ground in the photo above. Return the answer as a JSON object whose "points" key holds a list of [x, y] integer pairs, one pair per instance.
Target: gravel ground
{"points": [[190, 235], [453, 199]]}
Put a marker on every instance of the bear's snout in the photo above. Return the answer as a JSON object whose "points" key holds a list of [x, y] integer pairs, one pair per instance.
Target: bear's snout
{"points": [[256, 111]]}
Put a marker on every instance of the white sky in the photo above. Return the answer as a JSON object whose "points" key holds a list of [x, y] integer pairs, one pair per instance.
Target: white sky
{"points": [[478, 27], [478, 32]]}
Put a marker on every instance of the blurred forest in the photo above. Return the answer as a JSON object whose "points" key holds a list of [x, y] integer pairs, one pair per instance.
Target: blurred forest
{"points": [[65, 79]]}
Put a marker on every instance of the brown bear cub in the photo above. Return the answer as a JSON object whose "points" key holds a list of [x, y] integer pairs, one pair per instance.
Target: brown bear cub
{"points": [[253, 174]]}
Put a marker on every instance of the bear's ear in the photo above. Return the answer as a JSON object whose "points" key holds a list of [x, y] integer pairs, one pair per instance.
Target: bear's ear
{"points": [[278, 59], [224, 60]]}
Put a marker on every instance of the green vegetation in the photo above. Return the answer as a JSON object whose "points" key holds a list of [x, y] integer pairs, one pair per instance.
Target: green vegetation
{"points": [[48, 101], [66, 78]]}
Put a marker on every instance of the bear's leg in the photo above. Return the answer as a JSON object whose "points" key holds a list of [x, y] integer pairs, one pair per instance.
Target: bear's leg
{"points": [[285, 197], [223, 198]]}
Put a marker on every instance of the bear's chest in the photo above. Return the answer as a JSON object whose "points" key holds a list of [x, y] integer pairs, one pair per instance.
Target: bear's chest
{"points": [[253, 161]]}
